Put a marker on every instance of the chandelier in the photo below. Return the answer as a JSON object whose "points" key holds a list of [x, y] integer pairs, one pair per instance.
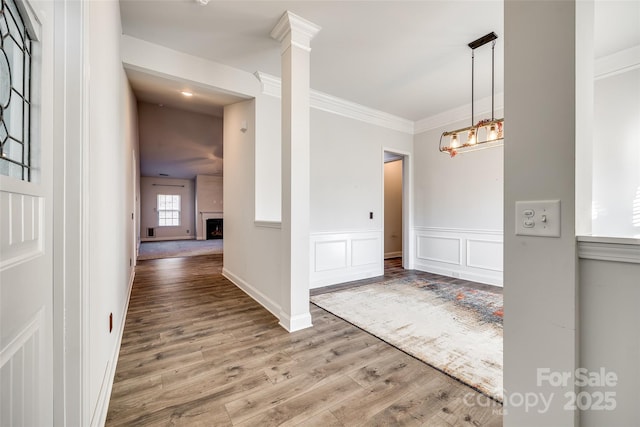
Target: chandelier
{"points": [[487, 131]]}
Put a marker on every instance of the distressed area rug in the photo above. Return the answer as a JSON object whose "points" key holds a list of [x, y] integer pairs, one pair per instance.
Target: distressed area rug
{"points": [[453, 328]]}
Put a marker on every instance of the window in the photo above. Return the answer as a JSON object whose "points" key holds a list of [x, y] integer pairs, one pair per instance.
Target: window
{"points": [[168, 210], [15, 104]]}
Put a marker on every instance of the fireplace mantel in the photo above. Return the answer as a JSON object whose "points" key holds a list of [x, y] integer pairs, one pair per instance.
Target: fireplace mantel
{"points": [[204, 216]]}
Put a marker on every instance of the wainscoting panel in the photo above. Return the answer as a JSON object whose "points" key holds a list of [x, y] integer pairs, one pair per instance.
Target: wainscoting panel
{"points": [[346, 256], [331, 255], [365, 251], [438, 249], [484, 254], [469, 254]]}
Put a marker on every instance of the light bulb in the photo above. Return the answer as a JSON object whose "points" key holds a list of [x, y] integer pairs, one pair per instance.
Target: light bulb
{"points": [[472, 137], [454, 141], [492, 132]]}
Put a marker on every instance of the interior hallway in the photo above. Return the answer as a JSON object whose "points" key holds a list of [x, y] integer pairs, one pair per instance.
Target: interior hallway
{"points": [[196, 350]]}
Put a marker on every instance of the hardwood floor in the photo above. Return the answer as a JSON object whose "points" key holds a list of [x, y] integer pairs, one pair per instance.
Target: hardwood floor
{"points": [[197, 351]]}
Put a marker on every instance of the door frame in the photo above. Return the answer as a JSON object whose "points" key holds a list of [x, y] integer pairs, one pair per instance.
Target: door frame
{"points": [[408, 246]]}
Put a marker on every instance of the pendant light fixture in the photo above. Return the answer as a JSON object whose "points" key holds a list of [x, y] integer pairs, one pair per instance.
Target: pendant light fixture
{"points": [[484, 133]]}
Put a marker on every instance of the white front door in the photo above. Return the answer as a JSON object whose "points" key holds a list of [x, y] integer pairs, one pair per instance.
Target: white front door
{"points": [[26, 301], [26, 218]]}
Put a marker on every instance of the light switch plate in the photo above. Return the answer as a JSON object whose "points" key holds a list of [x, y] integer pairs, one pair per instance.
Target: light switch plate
{"points": [[538, 218]]}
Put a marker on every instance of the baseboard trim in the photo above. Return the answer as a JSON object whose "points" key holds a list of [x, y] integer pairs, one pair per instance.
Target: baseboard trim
{"points": [[295, 323], [494, 279], [165, 239], [341, 276], [397, 254], [255, 294], [111, 373]]}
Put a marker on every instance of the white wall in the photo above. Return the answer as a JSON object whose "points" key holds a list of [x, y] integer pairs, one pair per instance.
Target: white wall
{"points": [[113, 144], [459, 208], [268, 161], [393, 209], [150, 187], [251, 250], [540, 273], [616, 155], [609, 339], [347, 184], [209, 201]]}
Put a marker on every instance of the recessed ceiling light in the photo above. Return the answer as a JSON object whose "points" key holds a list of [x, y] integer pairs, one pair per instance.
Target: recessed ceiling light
{"points": [[186, 93]]}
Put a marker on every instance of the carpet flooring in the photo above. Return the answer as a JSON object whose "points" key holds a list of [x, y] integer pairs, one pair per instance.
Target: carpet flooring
{"points": [[453, 328], [179, 248]]}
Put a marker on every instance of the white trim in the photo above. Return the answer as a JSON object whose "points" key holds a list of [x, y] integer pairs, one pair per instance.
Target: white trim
{"points": [[342, 232], [480, 277], [344, 269], [301, 30], [102, 406], [165, 239], [465, 268], [457, 261], [341, 107], [458, 230], [396, 254], [295, 323], [268, 224], [606, 251], [271, 85], [605, 239], [408, 246], [468, 255], [616, 63], [255, 294], [482, 108]]}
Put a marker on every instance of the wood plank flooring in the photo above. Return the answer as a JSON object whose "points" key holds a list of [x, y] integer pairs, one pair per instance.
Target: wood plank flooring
{"points": [[197, 351]]}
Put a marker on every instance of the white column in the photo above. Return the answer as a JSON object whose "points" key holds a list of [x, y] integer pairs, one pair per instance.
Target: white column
{"points": [[540, 279], [295, 35]]}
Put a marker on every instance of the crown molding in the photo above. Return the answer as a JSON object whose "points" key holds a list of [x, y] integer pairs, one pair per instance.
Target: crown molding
{"points": [[271, 85], [299, 30], [342, 107], [482, 107]]}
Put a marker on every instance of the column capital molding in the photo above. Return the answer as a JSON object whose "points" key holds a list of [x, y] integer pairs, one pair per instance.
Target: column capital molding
{"points": [[294, 30]]}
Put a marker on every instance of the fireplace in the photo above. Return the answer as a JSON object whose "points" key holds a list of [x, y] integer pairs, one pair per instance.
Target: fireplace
{"points": [[214, 228]]}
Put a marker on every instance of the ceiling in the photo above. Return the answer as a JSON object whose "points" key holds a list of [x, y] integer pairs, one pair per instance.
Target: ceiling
{"points": [[409, 58], [406, 58]]}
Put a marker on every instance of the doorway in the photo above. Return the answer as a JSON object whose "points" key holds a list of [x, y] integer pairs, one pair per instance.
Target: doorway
{"points": [[395, 204]]}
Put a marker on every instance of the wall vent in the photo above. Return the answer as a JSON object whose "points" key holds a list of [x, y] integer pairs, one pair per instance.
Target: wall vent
{"points": [[151, 232]]}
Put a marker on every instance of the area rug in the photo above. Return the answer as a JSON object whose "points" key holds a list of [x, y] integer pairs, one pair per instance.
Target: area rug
{"points": [[179, 248], [454, 328]]}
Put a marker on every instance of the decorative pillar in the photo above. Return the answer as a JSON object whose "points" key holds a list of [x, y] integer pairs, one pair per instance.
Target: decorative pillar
{"points": [[295, 34]]}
